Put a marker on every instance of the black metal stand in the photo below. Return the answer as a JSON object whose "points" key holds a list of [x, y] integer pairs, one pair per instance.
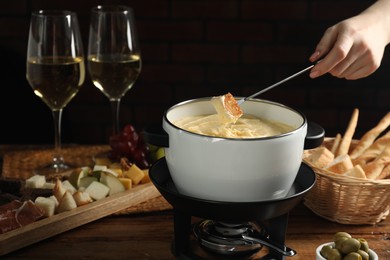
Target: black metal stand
{"points": [[277, 233], [182, 229]]}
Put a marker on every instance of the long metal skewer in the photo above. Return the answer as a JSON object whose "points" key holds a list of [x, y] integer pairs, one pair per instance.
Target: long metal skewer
{"points": [[274, 85]]}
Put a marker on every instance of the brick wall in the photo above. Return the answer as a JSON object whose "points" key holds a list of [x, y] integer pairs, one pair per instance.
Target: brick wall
{"points": [[190, 49]]}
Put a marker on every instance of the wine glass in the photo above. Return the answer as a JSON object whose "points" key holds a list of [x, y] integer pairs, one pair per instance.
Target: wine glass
{"points": [[55, 68], [114, 58]]}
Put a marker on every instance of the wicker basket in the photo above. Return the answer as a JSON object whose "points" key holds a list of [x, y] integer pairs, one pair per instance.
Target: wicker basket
{"points": [[347, 200]]}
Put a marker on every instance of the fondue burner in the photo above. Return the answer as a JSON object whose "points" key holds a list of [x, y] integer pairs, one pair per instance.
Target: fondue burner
{"points": [[226, 238], [235, 238], [226, 230]]}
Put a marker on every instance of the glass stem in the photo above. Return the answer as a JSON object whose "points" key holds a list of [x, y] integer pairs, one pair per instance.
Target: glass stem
{"points": [[115, 104], [58, 160]]}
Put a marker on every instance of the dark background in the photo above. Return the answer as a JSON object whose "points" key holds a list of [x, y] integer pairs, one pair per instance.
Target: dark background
{"points": [[191, 49]]}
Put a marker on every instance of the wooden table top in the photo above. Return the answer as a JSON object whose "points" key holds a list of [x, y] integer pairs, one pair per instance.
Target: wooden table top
{"points": [[150, 236]]}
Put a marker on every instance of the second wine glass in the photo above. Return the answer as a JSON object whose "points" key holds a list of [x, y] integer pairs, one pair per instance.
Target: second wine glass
{"points": [[114, 58]]}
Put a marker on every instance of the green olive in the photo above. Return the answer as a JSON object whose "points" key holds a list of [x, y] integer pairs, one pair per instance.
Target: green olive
{"points": [[334, 254], [324, 250], [353, 256], [339, 241], [364, 254], [341, 234], [363, 244], [349, 245]]}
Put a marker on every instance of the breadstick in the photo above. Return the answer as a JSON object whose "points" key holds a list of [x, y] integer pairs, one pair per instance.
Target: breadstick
{"points": [[336, 143], [387, 135], [369, 137], [372, 152], [347, 138], [374, 168], [385, 172]]}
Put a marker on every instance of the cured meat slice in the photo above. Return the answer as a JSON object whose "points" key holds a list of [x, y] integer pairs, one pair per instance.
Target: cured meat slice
{"points": [[17, 214], [8, 221], [15, 204], [28, 213]]}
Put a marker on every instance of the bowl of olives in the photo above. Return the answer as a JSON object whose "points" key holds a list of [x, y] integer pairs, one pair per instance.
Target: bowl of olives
{"points": [[345, 247]]}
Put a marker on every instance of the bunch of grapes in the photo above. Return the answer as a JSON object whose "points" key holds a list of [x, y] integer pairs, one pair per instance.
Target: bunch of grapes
{"points": [[130, 144]]}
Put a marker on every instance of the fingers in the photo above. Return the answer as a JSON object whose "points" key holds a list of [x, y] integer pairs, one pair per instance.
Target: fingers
{"points": [[356, 73], [350, 70], [346, 69], [359, 68], [327, 41], [360, 62], [336, 57], [351, 62]]}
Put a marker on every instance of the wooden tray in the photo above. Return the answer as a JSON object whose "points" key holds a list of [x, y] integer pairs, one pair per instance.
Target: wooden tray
{"points": [[20, 164], [65, 221]]}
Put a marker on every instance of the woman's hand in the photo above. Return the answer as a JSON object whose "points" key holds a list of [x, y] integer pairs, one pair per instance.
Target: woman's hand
{"points": [[354, 48]]}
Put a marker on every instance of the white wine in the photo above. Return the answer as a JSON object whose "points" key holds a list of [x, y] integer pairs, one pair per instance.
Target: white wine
{"points": [[114, 76], [56, 80]]}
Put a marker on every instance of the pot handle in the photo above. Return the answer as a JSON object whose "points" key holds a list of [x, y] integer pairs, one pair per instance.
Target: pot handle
{"points": [[315, 135], [156, 135]]}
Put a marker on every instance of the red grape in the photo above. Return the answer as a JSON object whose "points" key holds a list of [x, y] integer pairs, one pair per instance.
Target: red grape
{"points": [[130, 134], [129, 143]]}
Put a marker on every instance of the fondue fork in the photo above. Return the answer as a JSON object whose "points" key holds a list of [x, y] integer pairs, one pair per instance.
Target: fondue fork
{"points": [[239, 102]]}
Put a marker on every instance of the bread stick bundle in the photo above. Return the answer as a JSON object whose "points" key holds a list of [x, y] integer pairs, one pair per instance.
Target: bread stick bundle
{"points": [[368, 159], [369, 138]]}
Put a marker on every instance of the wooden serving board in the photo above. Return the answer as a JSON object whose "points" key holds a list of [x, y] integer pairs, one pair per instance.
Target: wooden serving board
{"points": [[65, 221]]}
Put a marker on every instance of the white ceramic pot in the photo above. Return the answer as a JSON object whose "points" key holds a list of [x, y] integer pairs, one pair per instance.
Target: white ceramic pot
{"points": [[234, 170]]}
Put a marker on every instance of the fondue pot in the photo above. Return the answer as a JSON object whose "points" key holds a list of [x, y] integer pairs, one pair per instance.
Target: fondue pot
{"points": [[235, 169]]}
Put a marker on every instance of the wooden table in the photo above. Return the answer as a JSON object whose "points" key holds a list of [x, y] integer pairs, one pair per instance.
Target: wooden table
{"points": [[150, 236]]}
